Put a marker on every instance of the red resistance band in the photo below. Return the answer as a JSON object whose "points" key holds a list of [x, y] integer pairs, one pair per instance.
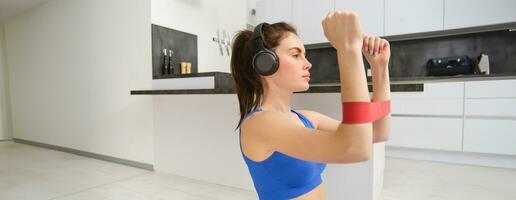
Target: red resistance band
{"points": [[364, 112]]}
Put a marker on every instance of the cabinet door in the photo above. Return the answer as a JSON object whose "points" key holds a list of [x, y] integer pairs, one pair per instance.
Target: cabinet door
{"points": [[448, 107], [426, 133], [490, 107], [412, 16], [436, 99], [496, 136], [371, 13], [307, 16], [445, 90], [491, 89], [464, 13], [272, 11]]}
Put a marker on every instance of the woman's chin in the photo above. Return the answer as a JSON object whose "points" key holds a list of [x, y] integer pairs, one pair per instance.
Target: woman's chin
{"points": [[303, 89]]}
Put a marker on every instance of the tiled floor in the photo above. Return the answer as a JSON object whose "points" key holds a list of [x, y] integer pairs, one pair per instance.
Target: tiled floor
{"points": [[28, 172], [425, 180]]}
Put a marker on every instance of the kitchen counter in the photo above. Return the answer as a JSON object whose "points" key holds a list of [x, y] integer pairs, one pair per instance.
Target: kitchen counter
{"points": [[312, 89], [224, 84], [434, 79]]}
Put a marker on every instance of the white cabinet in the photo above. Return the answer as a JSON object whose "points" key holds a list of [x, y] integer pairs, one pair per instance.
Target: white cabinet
{"points": [[272, 11], [436, 99], [387, 17], [493, 107], [490, 117], [445, 90], [412, 16], [464, 13], [496, 136], [426, 133], [431, 119], [491, 89], [371, 13], [307, 16], [435, 107]]}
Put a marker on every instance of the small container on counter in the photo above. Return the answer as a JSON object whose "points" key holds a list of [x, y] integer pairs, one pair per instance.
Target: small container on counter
{"points": [[183, 67], [188, 67]]}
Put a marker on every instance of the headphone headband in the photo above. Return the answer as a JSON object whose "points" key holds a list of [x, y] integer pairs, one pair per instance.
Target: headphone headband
{"points": [[258, 38]]}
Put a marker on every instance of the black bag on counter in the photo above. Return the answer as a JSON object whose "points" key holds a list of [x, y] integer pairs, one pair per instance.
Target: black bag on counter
{"points": [[450, 66]]}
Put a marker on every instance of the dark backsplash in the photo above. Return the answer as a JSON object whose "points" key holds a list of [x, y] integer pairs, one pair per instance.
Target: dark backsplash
{"points": [[183, 44], [409, 57]]}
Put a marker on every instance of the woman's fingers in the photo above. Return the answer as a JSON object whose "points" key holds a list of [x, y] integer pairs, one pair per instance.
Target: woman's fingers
{"points": [[371, 45], [385, 44], [376, 45], [366, 44]]}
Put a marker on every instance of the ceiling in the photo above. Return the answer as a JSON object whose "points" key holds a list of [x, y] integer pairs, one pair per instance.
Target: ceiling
{"points": [[10, 8]]}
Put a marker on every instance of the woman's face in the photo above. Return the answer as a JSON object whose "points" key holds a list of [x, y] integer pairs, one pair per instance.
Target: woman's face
{"points": [[292, 74]]}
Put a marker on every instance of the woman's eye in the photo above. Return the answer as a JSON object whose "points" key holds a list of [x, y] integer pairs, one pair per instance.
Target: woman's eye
{"points": [[295, 55]]}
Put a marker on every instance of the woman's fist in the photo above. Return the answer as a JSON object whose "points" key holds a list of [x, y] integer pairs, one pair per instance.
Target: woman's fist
{"points": [[376, 51], [343, 30]]}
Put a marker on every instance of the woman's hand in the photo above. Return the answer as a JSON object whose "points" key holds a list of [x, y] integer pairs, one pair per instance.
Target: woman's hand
{"points": [[376, 51], [343, 30]]}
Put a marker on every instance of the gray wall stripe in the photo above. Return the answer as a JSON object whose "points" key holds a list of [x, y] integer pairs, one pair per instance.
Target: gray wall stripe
{"points": [[88, 154]]}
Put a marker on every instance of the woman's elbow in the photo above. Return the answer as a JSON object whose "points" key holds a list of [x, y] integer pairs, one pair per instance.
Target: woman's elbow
{"points": [[382, 138], [364, 154], [355, 158], [367, 152]]}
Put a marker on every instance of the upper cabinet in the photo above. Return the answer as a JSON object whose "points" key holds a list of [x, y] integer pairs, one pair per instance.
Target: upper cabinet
{"points": [[272, 11], [464, 13], [307, 16], [387, 17], [371, 13], [413, 16]]}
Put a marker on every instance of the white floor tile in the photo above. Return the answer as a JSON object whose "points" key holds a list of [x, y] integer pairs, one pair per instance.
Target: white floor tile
{"points": [[28, 172]]}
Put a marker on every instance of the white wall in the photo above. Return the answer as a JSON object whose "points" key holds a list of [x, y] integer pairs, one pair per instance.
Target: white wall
{"points": [[250, 19], [4, 92], [202, 18], [72, 64], [197, 140]]}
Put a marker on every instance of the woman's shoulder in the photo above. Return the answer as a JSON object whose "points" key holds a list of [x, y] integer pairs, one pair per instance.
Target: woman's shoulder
{"points": [[321, 121], [261, 119], [312, 116]]}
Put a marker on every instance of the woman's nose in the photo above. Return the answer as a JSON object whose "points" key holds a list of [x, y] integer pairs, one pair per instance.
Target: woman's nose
{"points": [[308, 65]]}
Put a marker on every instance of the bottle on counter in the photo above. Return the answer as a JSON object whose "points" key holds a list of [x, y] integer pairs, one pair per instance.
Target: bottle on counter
{"points": [[170, 65], [164, 66]]}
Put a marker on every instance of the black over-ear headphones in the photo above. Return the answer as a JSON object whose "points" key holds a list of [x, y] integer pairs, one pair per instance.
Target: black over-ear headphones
{"points": [[265, 61]]}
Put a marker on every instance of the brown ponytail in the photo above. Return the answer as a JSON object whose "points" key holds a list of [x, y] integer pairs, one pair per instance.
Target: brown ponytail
{"points": [[248, 83]]}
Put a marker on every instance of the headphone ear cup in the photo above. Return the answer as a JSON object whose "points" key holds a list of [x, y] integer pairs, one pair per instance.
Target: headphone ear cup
{"points": [[265, 62]]}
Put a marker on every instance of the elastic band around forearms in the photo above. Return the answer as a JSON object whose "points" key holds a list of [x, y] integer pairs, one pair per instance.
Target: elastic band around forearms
{"points": [[364, 112]]}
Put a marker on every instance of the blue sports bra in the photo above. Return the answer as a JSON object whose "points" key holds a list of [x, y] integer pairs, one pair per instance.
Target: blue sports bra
{"points": [[281, 176]]}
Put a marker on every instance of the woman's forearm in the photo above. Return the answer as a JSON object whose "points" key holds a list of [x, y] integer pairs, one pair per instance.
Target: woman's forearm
{"points": [[381, 92], [352, 79], [356, 137]]}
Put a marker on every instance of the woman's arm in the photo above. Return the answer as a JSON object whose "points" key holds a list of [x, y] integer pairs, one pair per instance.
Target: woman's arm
{"points": [[274, 131], [377, 53]]}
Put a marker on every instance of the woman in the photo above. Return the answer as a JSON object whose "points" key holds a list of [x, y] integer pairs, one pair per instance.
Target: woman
{"points": [[285, 150]]}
